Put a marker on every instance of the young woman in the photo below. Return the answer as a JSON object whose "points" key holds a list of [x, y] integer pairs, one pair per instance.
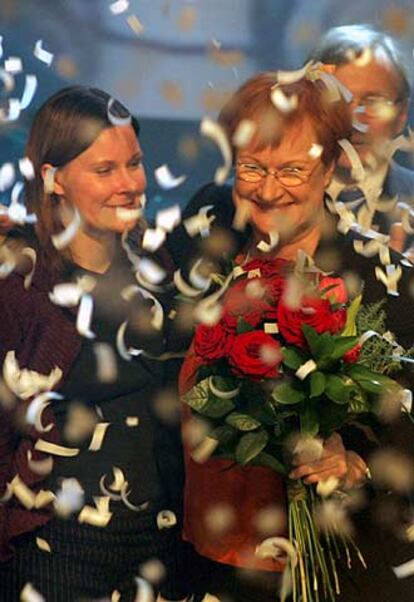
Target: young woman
{"points": [[96, 438]]}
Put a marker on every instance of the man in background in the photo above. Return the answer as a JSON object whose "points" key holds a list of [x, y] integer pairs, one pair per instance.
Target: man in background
{"points": [[371, 66]]}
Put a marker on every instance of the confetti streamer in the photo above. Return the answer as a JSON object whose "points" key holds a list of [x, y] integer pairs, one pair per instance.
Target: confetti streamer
{"points": [[56, 450], [36, 408], [62, 240], [211, 129], [126, 353], [26, 168], [30, 594], [42, 54], [358, 171], [144, 591], [7, 79], [119, 7], [98, 516], [41, 467], [390, 278], [84, 317], [285, 104], [166, 180], [25, 383], [43, 545], [116, 120], [200, 223], [406, 569], [98, 436], [13, 65], [153, 238], [7, 176], [266, 247], [244, 133], [169, 218], [135, 24], [28, 92], [166, 519], [274, 547]]}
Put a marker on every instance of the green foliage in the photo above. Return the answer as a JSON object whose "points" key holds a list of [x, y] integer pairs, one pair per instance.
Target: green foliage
{"points": [[286, 394], [250, 445]]}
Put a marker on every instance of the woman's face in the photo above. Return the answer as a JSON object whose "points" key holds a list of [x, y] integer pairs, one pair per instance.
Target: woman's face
{"points": [[107, 176], [275, 207]]}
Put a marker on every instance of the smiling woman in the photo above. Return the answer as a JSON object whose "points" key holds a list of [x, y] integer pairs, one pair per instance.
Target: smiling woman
{"points": [[110, 466]]}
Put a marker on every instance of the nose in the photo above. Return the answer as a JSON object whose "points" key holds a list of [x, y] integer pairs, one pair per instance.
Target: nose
{"points": [[131, 182], [271, 189]]}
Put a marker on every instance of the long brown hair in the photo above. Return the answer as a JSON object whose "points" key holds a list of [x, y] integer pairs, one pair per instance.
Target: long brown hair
{"points": [[63, 128]]}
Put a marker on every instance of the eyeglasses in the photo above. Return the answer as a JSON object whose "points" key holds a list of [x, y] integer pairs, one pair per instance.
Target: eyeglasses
{"points": [[288, 177], [377, 106]]}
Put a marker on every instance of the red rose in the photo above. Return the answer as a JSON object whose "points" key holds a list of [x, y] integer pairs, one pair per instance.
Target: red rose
{"points": [[229, 323], [211, 342], [269, 267], [337, 292], [352, 356], [314, 312], [255, 354], [246, 299]]}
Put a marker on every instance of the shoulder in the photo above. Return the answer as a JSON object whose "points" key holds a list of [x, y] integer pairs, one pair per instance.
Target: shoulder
{"points": [[400, 180], [185, 246]]}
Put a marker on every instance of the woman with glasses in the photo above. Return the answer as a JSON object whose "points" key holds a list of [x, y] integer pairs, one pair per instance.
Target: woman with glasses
{"points": [[277, 198]]}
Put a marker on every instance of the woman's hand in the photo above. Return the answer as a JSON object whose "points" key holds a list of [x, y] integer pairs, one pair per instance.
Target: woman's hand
{"points": [[335, 461]]}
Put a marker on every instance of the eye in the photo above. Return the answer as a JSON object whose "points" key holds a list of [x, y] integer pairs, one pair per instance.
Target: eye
{"points": [[103, 171], [136, 163], [292, 170]]}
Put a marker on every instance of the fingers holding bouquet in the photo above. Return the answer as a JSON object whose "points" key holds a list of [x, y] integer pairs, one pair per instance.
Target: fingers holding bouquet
{"points": [[334, 462]]}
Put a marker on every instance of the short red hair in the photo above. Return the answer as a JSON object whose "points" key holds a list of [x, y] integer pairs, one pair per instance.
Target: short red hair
{"points": [[252, 101]]}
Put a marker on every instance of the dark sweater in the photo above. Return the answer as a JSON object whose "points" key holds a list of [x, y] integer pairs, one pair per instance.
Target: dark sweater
{"points": [[43, 336]]}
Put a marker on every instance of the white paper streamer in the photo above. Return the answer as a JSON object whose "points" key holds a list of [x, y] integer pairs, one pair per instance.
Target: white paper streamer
{"points": [[7, 79], [98, 436], [165, 178], [13, 65], [126, 353], [62, 240], [42, 54], [56, 450], [274, 547], [119, 7], [390, 278], [406, 569], [169, 218], [357, 171], [30, 594], [41, 467], [211, 129], [116, 120], [28, 92], [153, 238], [200, 223], [266, 247], [84, 317], [144, 591], [25, 383], [285, 104], [36, 407], [7, 176], [26, 168], [222, 394], [166, 519]]}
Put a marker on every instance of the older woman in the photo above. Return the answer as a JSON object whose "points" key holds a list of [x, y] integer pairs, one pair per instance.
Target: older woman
{"points": [[281, 172], [83, 467]]}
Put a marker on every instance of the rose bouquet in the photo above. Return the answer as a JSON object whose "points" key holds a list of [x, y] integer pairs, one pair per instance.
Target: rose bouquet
{"points": [[283, 364]]}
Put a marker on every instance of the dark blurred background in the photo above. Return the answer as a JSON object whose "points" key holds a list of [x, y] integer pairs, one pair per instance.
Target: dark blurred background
{"points": [[171, 62]]}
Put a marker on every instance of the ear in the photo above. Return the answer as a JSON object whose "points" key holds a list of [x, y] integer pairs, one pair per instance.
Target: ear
{"points": [[50, 181], [329, 170], [402, 117]]}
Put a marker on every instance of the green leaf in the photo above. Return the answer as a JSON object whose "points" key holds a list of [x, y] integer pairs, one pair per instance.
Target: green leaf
{"points": [[242, 422], [312, 338], [250, 445], [317, 383], [216, 407], [370, 381], [197, 397], [309, 423], [224, 434], [337, 389], [292, 358], [320, 345], [243, 326], [264, 459], [342, 345], [286, 394]]}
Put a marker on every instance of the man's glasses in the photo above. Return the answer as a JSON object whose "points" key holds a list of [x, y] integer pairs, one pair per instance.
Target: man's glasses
{"points": [[288, 177], [377, 106]]}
